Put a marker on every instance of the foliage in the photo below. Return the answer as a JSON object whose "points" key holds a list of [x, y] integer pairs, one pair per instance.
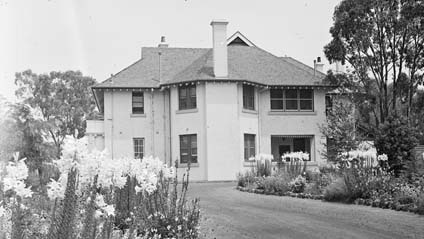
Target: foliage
{"points": [[381, 40], [275, 184], [245, 179], [297, 185], [263, 165], [337, 191], [397, 140], [83, 199], [340, 131]]}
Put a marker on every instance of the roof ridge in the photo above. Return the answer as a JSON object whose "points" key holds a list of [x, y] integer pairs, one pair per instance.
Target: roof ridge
{"points": [[168, 48], [311, 68]]}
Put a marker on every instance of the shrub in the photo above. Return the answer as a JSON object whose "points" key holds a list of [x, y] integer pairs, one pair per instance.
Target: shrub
{"points": [[420, 204], [278, 183], [245, 179], [396, 139], [297, 185], [337, 191]]}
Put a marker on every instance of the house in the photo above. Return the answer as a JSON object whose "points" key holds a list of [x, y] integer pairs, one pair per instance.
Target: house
{"points": [[216, 107]]}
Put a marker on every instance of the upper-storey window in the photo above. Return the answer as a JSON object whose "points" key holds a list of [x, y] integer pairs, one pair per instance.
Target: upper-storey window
{"points": [[292, 99], [248, 97], [187, 97], [137, 103]]}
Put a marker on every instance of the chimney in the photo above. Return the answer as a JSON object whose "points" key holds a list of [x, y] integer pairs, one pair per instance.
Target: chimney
{"points": [[339, 67], [220, 60], [163, 43], [319, 66]]}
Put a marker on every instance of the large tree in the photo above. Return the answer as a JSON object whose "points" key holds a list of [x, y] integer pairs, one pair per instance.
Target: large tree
{"points": [[381, 40], [61, 100]]}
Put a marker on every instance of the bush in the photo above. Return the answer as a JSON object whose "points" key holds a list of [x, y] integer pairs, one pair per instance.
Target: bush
{"points": [[246, 179], [420, 204], [337, 191], [274, 184], [396, 139], [298, 184]]}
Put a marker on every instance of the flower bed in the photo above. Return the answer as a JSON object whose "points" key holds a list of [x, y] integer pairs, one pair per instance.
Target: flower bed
{"points": [[361, 178], [98, 197]]}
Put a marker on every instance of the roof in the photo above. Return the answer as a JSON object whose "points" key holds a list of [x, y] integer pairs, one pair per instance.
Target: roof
{"points": [[163, 66]]}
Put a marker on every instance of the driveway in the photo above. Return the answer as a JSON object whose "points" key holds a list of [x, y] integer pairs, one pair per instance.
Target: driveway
{"points": [[229, 213]]}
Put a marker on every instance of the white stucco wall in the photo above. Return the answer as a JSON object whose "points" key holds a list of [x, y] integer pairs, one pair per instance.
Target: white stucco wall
{"points": [[219, 121], [121, 126]]}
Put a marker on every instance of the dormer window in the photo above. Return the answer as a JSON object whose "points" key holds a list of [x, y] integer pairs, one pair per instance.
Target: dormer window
{"points": [[248, 97], [138, 103], [292, 99], [187, 97]]}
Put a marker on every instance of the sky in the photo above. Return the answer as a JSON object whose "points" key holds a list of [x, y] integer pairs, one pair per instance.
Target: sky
{"points": [[101, 37]]}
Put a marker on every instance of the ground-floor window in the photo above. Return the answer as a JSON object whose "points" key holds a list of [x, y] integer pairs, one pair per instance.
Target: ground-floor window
{"points": [[249, 146], [138, 144], [290, 143], [188, 148]]}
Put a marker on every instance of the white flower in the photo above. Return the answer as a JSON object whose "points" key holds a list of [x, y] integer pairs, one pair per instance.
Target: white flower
{"points": [[382, 157], [55, 189], [2, 211], [109, 210], [16, 173]]}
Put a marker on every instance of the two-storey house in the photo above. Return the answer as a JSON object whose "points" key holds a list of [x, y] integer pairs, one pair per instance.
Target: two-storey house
{"points": [[216, 107]]}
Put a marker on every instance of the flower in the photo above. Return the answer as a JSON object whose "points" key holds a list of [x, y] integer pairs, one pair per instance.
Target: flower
{"points": [[16, 173], [2, 211], [382, 157], [109, 210], [55, 189]]}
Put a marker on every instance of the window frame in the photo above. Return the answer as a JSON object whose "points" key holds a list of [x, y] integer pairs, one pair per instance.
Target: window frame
{"points": [[248, 147], [189, 101], [248, 100], [133, 95], [298, 99], [192, 156], [137, 146]]}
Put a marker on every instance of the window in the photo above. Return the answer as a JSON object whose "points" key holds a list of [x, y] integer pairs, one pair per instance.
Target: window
{"points": [[292, 100], [249, 146], [277, 100], [302, 144], [138, 147], [188, 148], [187, 97], [137, 103], [248, 97]]}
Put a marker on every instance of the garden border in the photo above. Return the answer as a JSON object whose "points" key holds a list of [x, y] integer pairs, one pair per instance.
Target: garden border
{"points": [[363, 202]]}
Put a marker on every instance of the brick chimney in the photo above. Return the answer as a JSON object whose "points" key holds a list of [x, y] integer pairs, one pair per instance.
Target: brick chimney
{"points": [[220, 59]]}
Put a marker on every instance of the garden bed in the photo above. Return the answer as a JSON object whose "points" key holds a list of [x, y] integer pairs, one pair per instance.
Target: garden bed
{"points": [[410, 207], [287, 194]]}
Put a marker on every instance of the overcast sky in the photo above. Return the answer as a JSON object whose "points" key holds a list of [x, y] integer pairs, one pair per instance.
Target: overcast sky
{"points": [[100, 37]]}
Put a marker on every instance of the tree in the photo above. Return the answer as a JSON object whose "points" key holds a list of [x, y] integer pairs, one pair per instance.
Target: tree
{"points": [[397, 140], [62, 99], [381, 40], [340, 130]]}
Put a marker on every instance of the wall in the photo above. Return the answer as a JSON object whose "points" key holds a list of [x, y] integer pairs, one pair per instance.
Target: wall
{"points": [[122, 126], [219, 121], [293, 123], [189, 122], [222, 130]]}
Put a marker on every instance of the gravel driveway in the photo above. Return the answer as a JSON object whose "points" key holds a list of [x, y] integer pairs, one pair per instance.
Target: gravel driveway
{"points": [[229, 213]]}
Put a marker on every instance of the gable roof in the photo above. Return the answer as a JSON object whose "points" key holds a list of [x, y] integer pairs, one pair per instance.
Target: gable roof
{"points": [[239, 39]]}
